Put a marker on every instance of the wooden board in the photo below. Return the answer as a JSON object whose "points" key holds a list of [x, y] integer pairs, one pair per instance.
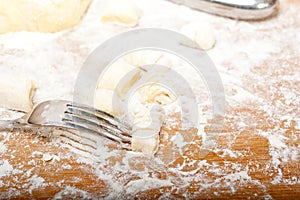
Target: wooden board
{"points": [[256, 156]]}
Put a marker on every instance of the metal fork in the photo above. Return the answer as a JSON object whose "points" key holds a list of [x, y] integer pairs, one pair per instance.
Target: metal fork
{"points": [[240, 9], [69, 115]]}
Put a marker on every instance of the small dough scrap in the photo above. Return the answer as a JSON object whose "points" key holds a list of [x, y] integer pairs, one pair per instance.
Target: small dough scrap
{"points": [[145, 135], [201, 33], [41, 15], [16, 93], [119, 77], [147, 57], [107, 101], [121, 12]]}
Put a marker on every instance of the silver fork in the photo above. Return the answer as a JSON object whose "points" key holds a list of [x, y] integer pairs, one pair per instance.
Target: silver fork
{"points": [[240, 9], [69, 115]]}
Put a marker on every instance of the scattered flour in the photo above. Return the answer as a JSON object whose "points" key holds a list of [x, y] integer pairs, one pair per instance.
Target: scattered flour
{"points": [[145, 184], [243, 55], [36, 183], [72, 192], [5, 168]]}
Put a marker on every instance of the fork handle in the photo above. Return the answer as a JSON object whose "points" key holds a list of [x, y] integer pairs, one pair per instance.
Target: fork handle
{"points": [[247, 10]]}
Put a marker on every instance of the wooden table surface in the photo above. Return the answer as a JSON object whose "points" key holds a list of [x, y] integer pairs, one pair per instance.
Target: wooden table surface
{"points": [[257, 160]]}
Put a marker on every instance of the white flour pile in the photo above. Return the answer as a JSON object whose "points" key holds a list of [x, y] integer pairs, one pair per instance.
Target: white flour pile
{"points": [[259, 66]]}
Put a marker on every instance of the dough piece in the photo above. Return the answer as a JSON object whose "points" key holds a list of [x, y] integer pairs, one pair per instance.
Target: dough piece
{"points": [[107, 101], [121, 12], [16, 93], [40, 15], [145, 136], [155, 93], [145, 141], [119, 77], [201, 33], [147, 57]]}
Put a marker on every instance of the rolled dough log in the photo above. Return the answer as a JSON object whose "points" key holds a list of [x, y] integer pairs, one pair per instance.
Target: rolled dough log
{"points": [[16, 93], [40, 15], [121, 12]]}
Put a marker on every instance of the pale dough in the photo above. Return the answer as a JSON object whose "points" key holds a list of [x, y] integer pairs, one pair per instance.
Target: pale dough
{"points": [[121, 12], [16, 93], [147, 124], [201, 33], [144, 141], [107, 101], [114, 84], [155, 93], [40, 15], [145, 136], [120, 76], [147, 57]]}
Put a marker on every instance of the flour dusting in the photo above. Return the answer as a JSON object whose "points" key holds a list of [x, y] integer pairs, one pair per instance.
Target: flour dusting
{"points": [[259, 66]]}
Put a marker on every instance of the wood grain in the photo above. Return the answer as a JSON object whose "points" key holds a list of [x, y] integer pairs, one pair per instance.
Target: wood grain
{"points": [[254, 168]]}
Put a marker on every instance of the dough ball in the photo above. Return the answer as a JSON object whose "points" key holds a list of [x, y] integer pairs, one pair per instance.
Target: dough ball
{"points": [[40, 15], [121, 12], [107, 101], [201, 33], [16, 93], [119, 77], [147, 57]]}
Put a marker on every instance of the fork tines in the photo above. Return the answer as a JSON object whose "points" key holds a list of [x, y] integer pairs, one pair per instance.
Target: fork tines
{"points": [[97, 121]]}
